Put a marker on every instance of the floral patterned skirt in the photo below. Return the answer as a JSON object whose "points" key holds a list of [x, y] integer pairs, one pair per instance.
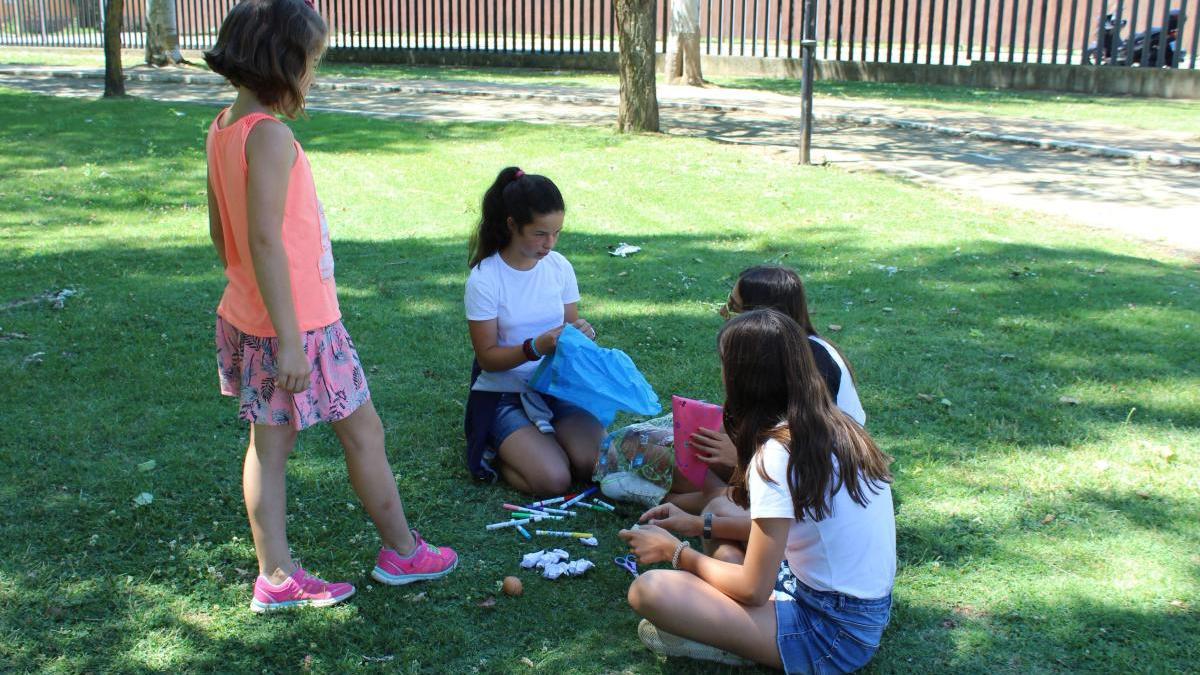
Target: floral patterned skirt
{"points": [[246, 367]]}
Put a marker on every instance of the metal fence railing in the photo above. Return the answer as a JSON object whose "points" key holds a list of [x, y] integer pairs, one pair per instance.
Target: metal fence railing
{"points": [[935, 32]]}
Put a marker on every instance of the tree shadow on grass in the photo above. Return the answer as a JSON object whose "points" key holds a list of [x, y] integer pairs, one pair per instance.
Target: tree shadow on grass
{"points": [[133, 356]]}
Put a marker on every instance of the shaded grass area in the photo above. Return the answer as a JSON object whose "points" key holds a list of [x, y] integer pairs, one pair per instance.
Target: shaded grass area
{"points": [[1035, 535], [1175, 115]]}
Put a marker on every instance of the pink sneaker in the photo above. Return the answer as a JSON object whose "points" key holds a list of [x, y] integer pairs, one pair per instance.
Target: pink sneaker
{"points": [[297, 590], [426, 562]]}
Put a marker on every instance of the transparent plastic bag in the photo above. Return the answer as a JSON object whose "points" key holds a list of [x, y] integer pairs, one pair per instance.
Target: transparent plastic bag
{"points": [[637, 462]]}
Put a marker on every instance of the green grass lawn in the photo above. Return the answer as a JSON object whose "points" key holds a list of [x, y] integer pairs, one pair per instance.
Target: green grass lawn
{"points": [[1177, 115], [1037, 383]]}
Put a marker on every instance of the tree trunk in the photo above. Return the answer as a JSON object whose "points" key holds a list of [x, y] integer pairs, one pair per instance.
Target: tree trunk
{"points": [[639, 100], [114, 76], [162, 35]]}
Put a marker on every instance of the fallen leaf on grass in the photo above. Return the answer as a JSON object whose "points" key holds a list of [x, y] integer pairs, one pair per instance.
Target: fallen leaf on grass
{"points": [[1048, 519], [488, 602], [1102, 465], [946, 402], [1167, 454], [306, 664], [528, 661], [147, 465], [835, 327], [1178, 604], [889, 310], [378, 659], [419, 597], [1068, 400], [144, 499], [1144, 494], [949, 623], [925, 397], [1007, 357]]}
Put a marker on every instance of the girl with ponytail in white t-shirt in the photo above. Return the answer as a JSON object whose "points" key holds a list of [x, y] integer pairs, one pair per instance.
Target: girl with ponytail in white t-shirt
{"points": [[520, 293]]}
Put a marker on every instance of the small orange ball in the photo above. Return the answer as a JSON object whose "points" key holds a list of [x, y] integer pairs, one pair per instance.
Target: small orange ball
{"points": [[512, 586]]}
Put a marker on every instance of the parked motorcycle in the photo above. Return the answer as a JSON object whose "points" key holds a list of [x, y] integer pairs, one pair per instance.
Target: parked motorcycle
{"points": [[1141, 50]]}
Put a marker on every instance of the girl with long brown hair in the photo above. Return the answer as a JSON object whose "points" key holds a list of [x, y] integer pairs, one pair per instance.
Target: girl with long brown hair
{"points": [[814, 591]]}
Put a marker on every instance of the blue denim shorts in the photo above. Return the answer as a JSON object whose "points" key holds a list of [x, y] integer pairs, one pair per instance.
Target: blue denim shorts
{"points": [[510, 415], [826, 632]]}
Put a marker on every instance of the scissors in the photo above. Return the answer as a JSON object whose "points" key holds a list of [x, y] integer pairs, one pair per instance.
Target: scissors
{"points": [[627, 563]]}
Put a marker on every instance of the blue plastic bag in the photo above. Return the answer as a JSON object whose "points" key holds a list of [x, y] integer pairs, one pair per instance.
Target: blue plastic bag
{"points": [[601, 381]]}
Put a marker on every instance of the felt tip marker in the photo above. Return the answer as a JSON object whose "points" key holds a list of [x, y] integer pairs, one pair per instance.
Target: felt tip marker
{"points": [[521, 509], [579, 497], [524, 532], [606, 505], [559, 533], [559, 512], [547, 502], [535, 516], [506, 523]]}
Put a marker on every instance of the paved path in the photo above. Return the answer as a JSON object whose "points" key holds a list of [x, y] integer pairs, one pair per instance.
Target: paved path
{"points": [[1153, 201]]}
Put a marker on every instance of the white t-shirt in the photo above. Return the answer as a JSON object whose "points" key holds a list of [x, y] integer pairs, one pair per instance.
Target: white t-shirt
{"points": [[846, 397], [525, 304], [850, 551]]}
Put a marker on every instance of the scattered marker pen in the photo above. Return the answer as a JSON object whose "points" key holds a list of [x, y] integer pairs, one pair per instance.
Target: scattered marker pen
{"points": [[524, 532], [563, 533], [506, 523], [546, 502], [606, 505], [578, 498]]}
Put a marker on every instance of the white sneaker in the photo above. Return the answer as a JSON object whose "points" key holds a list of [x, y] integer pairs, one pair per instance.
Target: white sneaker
{"points": [[626, 486], [662, 642]]}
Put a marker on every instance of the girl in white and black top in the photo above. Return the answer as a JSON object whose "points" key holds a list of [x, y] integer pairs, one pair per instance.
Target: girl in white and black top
{"points": [[780, 288]]}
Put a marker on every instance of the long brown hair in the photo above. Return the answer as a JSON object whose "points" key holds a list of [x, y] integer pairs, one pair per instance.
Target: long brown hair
{"points": [[773, 390], [778, 287]]}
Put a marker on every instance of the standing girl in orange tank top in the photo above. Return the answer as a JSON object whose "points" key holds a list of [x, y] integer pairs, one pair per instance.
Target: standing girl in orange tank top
{"points": [[281, 346]]}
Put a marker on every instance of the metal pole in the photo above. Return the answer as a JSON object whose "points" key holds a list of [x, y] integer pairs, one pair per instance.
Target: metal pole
{"points": [[808, 44]]}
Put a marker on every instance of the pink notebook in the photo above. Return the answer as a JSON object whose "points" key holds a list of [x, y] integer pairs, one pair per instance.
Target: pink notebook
{"points": [[690, 415]]}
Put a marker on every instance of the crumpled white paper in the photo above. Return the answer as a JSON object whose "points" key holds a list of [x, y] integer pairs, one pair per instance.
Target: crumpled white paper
{"points": [[555, 563]]}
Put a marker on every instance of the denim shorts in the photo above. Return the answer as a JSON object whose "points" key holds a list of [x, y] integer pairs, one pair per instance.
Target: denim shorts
{"points": [[826, 632], [510, 415]]}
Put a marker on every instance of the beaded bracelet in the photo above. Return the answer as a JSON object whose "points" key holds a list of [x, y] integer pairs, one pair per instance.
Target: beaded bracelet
{"points": [[679, 551]]}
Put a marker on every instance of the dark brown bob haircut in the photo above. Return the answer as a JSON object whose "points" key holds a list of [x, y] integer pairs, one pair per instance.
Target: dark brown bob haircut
{"points": [[268, 47]]}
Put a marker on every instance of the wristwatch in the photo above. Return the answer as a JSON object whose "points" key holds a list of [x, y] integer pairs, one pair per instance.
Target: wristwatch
{"points": [[707, 533]]}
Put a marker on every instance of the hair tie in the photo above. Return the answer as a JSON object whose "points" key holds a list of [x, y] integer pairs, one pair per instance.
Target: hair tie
{"points": [[518, 174]]}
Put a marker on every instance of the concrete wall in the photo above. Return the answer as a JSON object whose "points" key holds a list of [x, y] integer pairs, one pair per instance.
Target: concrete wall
{"points": [[1155, 82]]}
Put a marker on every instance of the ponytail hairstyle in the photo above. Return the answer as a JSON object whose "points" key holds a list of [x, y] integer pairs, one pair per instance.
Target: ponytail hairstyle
{"points": [[514, 195], [779, 288], [773, 390], [270, 47]]}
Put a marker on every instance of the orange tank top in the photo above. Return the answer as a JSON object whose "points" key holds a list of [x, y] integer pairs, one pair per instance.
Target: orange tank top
{"points": [[305, 236]]}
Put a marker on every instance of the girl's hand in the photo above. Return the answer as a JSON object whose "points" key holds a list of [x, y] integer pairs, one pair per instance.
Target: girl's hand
{"points": [[292, 369], [650, 544], [547, 342], [585, 328], [714, 447], [674, 519]]}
